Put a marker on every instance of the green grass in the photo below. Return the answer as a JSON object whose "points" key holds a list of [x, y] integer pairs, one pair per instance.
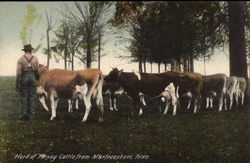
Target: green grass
{"points": [[208, 136]]}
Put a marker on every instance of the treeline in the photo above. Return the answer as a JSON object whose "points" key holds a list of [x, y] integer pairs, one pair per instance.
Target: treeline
{"points": [[181, 32], [175, 33]]}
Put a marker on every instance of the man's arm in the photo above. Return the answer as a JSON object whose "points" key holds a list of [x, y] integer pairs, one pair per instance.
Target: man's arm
{"points": [[18, 75], [37, 69]]}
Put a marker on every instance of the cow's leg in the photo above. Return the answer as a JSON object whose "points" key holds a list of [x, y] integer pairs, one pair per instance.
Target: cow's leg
{"points": [[142, 100], [136, 104], [237, 99], [166, 107], [225, 103], [207, 102], [195, 106], [220, 103], [53, 111], [140, 111], [87, 100], [174, 103], [231, 100], [242, 98], [189, 103], [211, 102], [42, 101], [77, 104], [101, 108], [115, 107], [70, 106], [56, 99], [111, 103]]}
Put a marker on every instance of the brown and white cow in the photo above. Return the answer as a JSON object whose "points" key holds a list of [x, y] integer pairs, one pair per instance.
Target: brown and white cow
{"points": [[59, 83], [215, 84], [154, 84], [190, 84]]}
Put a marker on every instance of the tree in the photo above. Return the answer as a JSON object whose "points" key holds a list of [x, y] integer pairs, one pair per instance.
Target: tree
{"points": [[49, 28], [30, 21], [88, 17], [237, 42], [171, 31], [61, 43]]}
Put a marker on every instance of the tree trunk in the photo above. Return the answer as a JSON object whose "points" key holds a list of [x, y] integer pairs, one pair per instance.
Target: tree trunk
{"points": [[191, 64], [65, 61], [175, 65], [48, 48], [185, 67], [88, 56], [165, 67], [72, 61], [237, 41], [151, 67], [159, 67], [204, 60], [99, 50], [145, 69], [140, 66]]}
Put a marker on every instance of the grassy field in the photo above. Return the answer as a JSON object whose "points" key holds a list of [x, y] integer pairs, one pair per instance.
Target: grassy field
{"points": [[208, 136]]}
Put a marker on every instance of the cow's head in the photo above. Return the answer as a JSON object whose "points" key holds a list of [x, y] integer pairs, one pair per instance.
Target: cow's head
{"points": [[40, 91], [80, 92], [113, 75]]}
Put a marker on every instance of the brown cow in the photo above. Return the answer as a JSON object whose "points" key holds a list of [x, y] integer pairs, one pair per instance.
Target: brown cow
{"points": [[190, 84], [59, 83]]}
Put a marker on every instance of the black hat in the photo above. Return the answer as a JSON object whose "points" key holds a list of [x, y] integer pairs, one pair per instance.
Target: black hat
{"points": [[27, 47]]}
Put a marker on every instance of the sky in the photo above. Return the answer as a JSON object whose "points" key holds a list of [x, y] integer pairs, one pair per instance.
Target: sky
{"points": [[11, 13]]}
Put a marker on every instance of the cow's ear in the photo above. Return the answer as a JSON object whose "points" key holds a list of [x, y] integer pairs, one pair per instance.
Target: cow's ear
{"points": [[121, 70]]}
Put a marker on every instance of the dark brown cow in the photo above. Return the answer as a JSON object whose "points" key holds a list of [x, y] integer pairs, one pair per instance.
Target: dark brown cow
{"points": [[154, 84], [59, 83], [113, 90]]}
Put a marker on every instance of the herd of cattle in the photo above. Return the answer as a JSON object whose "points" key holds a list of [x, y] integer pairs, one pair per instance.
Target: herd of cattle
{"points": [[90, 84]]}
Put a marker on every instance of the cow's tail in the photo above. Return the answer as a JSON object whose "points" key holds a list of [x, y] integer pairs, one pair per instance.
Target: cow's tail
{"points": [[99, 86]]}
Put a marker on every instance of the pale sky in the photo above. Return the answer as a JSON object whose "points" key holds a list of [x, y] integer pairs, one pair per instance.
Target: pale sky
{"points": [[11, 13]]}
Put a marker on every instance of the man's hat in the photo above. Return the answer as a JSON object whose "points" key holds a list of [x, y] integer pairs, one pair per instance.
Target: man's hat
{"points": [[27, 47]]}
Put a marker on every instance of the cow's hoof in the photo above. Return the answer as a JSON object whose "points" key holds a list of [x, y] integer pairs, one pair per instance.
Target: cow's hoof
{"points": [[115, 109], [140, 112], [84, 120], [100, 120], [52, 118]]}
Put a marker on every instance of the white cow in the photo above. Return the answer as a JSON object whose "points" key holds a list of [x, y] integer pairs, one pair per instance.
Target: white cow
{"points": [[240, 91], [232, 89]]}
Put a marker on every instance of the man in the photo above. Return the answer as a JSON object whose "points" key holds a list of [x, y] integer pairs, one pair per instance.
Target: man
{"points": [[27, 75]]}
